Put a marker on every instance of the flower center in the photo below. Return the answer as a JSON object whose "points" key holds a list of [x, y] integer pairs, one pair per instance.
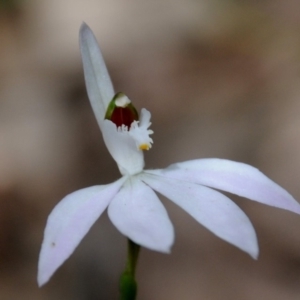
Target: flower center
{"points": [[121, 111]]}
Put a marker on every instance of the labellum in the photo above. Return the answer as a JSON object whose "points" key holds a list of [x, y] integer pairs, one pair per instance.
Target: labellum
{"points": [[121, 111]]}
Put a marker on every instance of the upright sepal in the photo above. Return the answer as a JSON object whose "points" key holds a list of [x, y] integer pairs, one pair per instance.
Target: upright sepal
{"points": [[98, 83]]}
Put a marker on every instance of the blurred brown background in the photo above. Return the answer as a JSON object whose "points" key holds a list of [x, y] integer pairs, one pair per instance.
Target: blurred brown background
{"points": [[221, 79]]}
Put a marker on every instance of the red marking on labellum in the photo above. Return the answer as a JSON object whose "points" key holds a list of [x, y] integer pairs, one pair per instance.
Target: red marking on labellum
{"points": [[123, 116]]}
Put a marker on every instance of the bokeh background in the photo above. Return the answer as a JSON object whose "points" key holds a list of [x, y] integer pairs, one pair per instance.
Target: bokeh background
{"points": [[221, 79]]}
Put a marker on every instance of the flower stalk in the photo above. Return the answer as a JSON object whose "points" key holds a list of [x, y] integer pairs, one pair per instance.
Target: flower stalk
{"points": [[128, 284]]}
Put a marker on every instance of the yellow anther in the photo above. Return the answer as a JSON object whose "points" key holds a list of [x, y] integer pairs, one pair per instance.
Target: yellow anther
{"points": [[144, 147]]}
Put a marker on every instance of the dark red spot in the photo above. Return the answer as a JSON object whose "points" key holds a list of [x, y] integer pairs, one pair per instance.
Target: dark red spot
{"points": [[123, 116]]}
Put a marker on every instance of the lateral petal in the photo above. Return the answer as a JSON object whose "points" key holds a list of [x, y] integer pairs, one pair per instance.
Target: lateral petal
{"points": [[138, 213], [210, 208], [69, 222], [233, 177], [98, 83]]}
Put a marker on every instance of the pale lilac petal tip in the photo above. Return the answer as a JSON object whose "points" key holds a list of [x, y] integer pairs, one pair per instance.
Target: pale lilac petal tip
{"points": [[210, 208], [233, 177], [138, 214], [69, 222]]}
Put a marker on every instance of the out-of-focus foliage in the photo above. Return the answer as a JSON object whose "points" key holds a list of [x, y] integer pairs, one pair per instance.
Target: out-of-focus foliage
{"points": [[9, 5]]}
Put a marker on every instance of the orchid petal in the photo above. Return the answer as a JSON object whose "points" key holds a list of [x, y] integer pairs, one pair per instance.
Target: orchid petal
{"points": [[145, 117], [138, 213], [69, 222], [212, 209], [139, 131], [122, 148], [99, 86], [233, 177]]}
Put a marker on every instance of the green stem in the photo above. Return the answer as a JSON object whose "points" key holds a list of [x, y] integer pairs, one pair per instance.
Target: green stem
{"points": [[128, 285]]}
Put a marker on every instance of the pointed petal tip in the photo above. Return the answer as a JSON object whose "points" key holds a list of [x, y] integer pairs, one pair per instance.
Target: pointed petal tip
{"points": [[296, 208], [84, 30], [83, 24], [41, 282], [84, 27], [42, 277], [254, 254], [166, 249], [250, 246]]}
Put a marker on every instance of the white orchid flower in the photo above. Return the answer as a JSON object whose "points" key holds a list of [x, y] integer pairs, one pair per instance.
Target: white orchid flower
{"points": [[133, 206]]}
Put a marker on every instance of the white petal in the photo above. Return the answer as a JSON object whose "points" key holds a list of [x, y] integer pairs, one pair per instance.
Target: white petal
{"points": [[145, 117], [210, 208], [122, 148], [138, 214], [99, 86], [234, 177], [69, 222], [139, 131]]}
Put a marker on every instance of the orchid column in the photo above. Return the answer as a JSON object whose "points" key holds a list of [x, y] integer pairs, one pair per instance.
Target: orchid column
{"points": [[133, 206]]}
